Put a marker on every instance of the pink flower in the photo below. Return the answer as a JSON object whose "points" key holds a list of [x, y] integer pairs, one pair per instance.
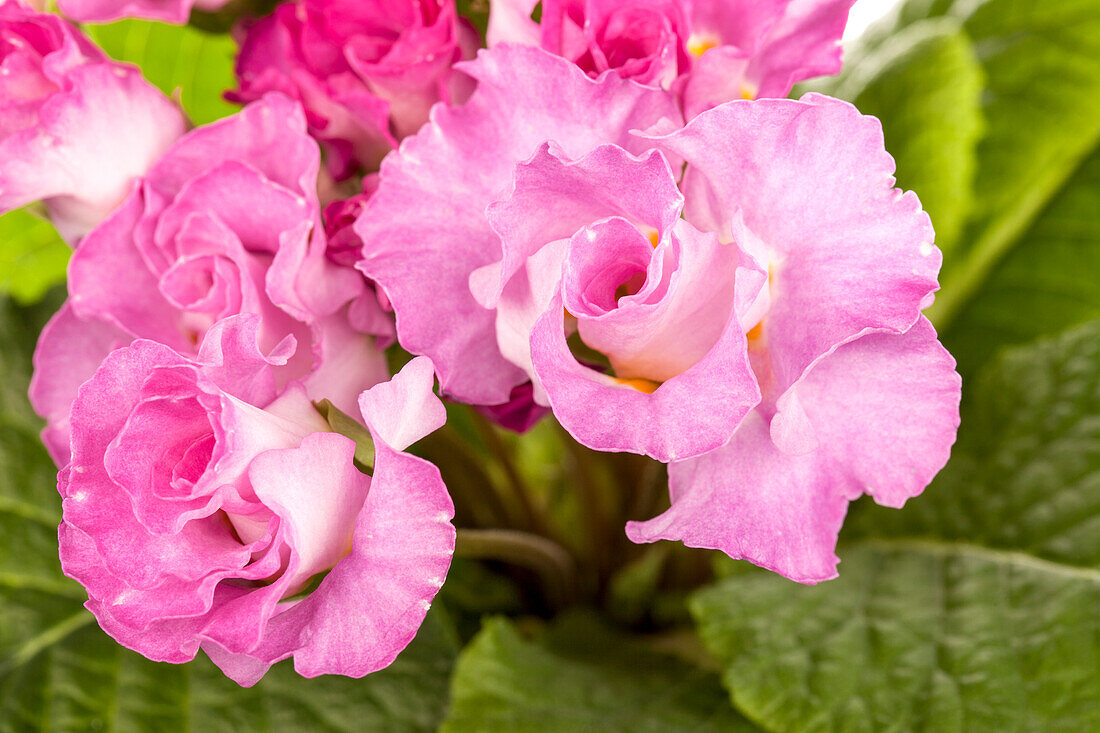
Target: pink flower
{"points": [[75, 129], [370, 312], [226, 222], [203, 509], [711, 51], [367, 71], [169, 11], [426, 223], [778, 282], [644, 40], [858, 395]]}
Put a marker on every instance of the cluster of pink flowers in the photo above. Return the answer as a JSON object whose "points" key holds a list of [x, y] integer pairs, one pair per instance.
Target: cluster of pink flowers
{"points": [[610, 215]]}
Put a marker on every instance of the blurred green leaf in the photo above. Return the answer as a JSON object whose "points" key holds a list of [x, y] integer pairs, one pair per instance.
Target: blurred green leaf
{"points": [[1049, 282], [922, 631], [926, 88], [585, 679], [913, 636], [32, 256], [477, 12], [1040, 62], [59, 672], [180, 60]]}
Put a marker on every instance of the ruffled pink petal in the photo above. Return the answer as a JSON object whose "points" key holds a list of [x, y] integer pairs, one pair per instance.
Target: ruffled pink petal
{"points": [[109, 280], [96, 506], [318, 521], [91, 142], [690, 414], [234, 359], [756, 503], [658, 334], [69, 351], [426, 222], [846, 251], [102, 11], [883, 409], [268, 135], [370, 606], [804, 43], [552, 198], [761, 48]]}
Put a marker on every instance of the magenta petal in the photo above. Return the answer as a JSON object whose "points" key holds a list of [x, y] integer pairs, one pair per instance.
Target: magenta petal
{"points": [[426, 222], [520, 413]]}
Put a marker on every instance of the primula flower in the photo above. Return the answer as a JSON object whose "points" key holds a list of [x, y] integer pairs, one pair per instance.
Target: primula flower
{"points": [[711, 51], [75, 128], [367, 71], [201, 508], [226, 222], [776, 285], [102, 11]]}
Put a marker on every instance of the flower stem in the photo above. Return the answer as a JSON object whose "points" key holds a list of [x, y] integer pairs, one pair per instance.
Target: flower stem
{"points": [[547, 558], [535, 519]]}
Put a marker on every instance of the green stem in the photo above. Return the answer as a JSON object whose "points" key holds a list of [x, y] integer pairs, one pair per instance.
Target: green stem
{"points": [[464, 476], [547, 558], [534, 518], [593, 513]]}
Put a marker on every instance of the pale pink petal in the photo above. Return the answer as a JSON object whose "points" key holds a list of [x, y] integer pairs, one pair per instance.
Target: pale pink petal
{"points": [[691, 413], [404, 409], [756, 503], [883, 409], [69, 351], [318, 521], [847, 252], [90, 144], [370, 606], [510, 22]]}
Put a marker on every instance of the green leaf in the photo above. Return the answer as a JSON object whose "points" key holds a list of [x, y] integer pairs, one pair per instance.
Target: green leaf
{"points": [[1040, 62], [1049, 282], [589, 679], [1025, 474], [1042, 103], [59, 672], [32, 256], [350, 428], [180, 60], [926, 88], [922, 631], [912, 636], [73, 677]]}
